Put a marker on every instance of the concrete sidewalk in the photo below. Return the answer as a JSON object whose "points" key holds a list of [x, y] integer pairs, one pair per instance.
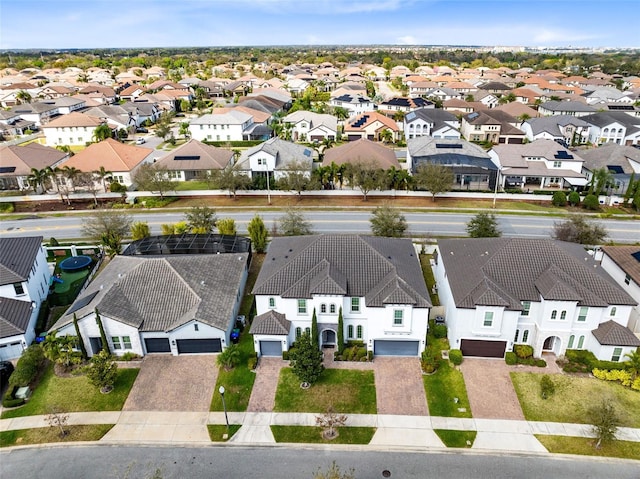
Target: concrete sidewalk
{"points": [[391, 430]]}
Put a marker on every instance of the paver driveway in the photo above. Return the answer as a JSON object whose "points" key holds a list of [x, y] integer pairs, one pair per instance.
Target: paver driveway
{"points": [[263, 395], [399, 386], [174, 383]]}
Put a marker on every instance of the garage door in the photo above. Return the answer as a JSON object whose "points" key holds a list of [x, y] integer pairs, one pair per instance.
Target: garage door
{"points": [[157, 345], [483, 349], [208, 345], [354, 137], [395, 348], [271, 348], [10, 351]]}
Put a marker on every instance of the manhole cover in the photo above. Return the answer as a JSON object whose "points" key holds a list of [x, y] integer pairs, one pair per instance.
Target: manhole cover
{"points": [[386, 473]]}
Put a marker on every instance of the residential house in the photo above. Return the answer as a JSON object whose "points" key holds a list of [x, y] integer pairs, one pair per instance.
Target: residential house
{"points": [[16, 162], [613, 127], [573, 108], [105, 94], [457, 106], [421, 88], [74, 129], [195, 160], [622, 162], [11, 124], [362, 151], [375, 283], [354, 104], [518, 110], [551, 295], [495, 87], [37, 113], [115, 115], [493, 126], [432, 122], [24, 285], [230, 126], [622, 263], [565, 129], [260, 129], [177, 304], [371, 125], [310, 126], [471, 166], [541, 164], [405, 105], [275, 157]]}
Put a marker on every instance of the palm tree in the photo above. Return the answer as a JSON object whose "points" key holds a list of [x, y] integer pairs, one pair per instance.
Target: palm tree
{"points": [[103, 174], [71, 173], [102, 132], [38, 178], [633, 364], [23, 96], [386, 135]]}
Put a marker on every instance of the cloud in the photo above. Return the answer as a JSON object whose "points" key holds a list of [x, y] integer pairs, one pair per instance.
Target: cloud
{"points": [[407, 40], [546, 37], [325, 7]]}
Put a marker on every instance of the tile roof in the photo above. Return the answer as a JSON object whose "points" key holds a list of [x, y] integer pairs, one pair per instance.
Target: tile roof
{"points": [[270, 323], [382, 270], [362, 121], [286, 153], [611, 333], [624, 257], [74, 119], [111, 154], [362, 150], [17, 256], [575, 106], [611, 154], [25, 157], [161, 293], [512, 155], [232, 117], [14, 317], [195, 155], [552, 124], [516, 269]]}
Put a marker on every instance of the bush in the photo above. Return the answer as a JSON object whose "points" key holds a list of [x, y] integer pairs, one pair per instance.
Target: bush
{"points": [[370, 355], [523, 351], [455, 356], [285, 355], [252, 363], [9, 400], [116, 187], [129, 356], [574, 198], [591, 202], [28, 366], [510, 358], [541, 363], [439, 331], [6, 208], [559, 198], [547, 387], [53, 242]]}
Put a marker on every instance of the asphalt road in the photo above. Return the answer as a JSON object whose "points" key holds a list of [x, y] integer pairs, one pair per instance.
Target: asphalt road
{"points": [[420, 224], [131, 462]]}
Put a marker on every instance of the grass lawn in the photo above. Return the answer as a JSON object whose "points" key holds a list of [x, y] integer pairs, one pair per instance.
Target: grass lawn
{"points": [[347, 391], [584, 446], [313, 435], [429, 279], [44, 435], [217, 430], [444, 385], [573, 399], [452, 438], [74, 394]]}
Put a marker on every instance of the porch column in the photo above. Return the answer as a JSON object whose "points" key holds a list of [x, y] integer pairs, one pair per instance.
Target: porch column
{"points": [[542, 182]]}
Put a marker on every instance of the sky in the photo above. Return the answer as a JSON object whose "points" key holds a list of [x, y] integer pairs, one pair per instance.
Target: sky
{"points": [[53, 24]]}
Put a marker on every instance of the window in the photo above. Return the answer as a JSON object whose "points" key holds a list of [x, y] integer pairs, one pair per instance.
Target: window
{"points": [[116, 342], [19, 289], [355, 305], [563, 315], [298, 332], [195, 327], [526, 307], [627, 279], [332, 308], [307, 331], [126, 341], [582, 315], [488, 319], [323, 308], [557, 164], [554, 314], [302, 306], [571, 340], [613, 311], [398, 317], [580, 342], [515, 340], [359, 332], [350, 331], [272, 302], [525, 336], [617, 352]]}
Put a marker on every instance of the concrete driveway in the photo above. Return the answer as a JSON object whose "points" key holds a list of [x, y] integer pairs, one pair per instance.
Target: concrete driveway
{"points": [[174, 383]]}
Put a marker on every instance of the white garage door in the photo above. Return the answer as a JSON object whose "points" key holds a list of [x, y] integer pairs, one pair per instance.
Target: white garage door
{"points": [[271, 348], [395, 348], [10, 351]]}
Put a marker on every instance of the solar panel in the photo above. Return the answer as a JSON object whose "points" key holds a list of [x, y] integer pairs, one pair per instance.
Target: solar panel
{"points": [[307, 152], [7, 169], [473, 116], [455, 146], [187, 158], [636, 255], [410, 116], [615, 169], [82, 302], [563, 155]]}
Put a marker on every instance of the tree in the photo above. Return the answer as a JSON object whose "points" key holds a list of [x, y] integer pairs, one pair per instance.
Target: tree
{"points": [[296, 177], [227, 226], [184, 130], [229, 358], [37, 179], [201, 219], [434, 178], [56, 418], [258, 234], [83, 350], [293, 223], [231, 179], [102, 132], [103, 336], [153, 177], [61, 350], [386, 136], [605, 422], [109, 227], [388, 221], [104, 175], [329, 421], [577, 229], [103, 371], [315, 335], [591, 202], [340, 332], [306, 360], [559, 198], [140, 230], [574, 198], [601, 179], [633, 364], [23, 97], [86, 181], [71, 173], [366, 176], [483, 225]]}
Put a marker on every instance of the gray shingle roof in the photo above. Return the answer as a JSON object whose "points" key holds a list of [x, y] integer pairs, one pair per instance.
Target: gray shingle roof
{"points": [[14, 317], [17, 256], [382, 270], [286, 153], [611, 333], [506, 271], [551, 124], [271, 323], [610, 154], [155, 293]]}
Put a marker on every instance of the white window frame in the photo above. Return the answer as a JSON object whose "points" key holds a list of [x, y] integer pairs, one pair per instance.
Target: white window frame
{"points": [[115, 340], [582, 313], [302, 306], [355, 304], [617, 354], [398, 317], [126, 342], [272, 302], [488, 317]]}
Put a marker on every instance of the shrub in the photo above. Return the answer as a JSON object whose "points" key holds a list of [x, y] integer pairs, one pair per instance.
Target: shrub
{"points": [[439, 331], [559, 198], [510, 358], [230, 357], [547, 387], [541, 363], [116, 187], [129, 356], [252, 363], [6, 208], [9, 400], [370, 355], [285, 355], [103, 371], [523, 351], [28, 366], [591, 202], [455, 356], [361, 353], [574, 198], [53, 242]]}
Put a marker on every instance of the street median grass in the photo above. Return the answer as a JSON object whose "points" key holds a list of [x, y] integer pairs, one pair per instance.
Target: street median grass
{"points": [[345, 390], [574, 397], [216, 431], [442, 387], [44, 435], [585, 446], [452, 438], [313, 435], [74, 394]]}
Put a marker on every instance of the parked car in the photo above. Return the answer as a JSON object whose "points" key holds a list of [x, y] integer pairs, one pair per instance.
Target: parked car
{"points": [[6, 368], [141, 130], [140, 141]]}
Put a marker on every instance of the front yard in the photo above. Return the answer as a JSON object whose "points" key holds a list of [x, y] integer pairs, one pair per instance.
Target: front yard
{"points": [[442, 387], [573, 399]]}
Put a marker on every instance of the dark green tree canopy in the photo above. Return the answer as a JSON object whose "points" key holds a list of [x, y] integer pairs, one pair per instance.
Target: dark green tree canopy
{"points": [[578, 229], [388, 221], [483, 225]]}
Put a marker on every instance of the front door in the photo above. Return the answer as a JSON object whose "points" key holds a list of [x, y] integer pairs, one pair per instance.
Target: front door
{"points": [[96, 345], [328, 337], [548, 343]]}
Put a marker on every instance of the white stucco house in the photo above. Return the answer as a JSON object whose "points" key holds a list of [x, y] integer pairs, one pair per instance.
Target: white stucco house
{"points": [[552, 295], [74, 129], [622, 263], [275, 158], [24, 285], [176, 304], [229, 126], [376, 282], [310, 126]]}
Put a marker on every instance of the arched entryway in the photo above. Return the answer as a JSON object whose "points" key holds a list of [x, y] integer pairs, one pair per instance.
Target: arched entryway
{"points": [[328, 338], [552, 345]]}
